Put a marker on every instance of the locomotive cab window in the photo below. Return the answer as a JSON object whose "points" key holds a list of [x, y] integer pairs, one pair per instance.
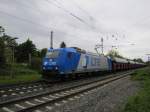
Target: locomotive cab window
{"points": [[52, 54]]}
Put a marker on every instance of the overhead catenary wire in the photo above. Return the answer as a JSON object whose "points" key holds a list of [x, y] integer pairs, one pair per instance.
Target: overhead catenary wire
{"points": [[33, 23], [39, 11], [23, 19], [29, 6], [69, 12], [79, 7]]}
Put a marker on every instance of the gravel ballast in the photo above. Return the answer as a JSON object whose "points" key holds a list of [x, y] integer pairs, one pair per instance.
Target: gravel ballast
{"points": [[108, 98]]}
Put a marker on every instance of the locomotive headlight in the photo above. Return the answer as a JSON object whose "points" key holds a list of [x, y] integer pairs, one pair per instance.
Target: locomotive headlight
{"points": [[45, 63], [43, 68]]}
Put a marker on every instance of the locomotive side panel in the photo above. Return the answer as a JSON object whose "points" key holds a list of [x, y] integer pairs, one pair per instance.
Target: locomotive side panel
{"points": [[90, 62]]}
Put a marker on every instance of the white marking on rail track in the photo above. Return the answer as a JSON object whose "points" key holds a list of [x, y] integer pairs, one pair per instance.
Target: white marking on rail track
{"points": [[34, 89], [20, 106], [40, 101], [21, 92], [85, 93], [68, 91], [7, 109], [13, 94], [71, 99], [29, 91], [89, 92], [59, 94], [4, 95], [41, 88], [72, 90], [45, 98], [29, 103], [17, 89], [49, 107], [10, 90], [53, 96], [23, 88], [77, 97], [2, 91], [81, 95], [64, 101], [38, 111], [65, 93], [57, 104], [92, 90]]}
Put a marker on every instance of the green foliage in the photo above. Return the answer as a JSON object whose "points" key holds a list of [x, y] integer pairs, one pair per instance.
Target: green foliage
{"points": [[24, 49], [138, 60], [20, 78], [16, 69], [2, 51], [43, 52], [21, 73], [141, 101], [10, 43], [63, 45], [114, 53], [36, 63]]}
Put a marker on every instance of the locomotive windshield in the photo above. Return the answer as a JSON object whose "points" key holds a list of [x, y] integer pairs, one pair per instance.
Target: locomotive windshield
{"points": [[52, 54]]}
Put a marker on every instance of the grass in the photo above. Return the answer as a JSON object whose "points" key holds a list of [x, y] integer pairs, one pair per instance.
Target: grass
{"points": [[20, 74], [141, 101]]}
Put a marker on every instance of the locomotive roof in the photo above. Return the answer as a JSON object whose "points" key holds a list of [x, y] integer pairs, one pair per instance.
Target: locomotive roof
{"points": [[131, 61], [67, 49], [120, 60]]}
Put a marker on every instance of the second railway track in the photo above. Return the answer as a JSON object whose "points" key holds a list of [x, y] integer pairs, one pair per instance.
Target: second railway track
{"points": [[12, 91], [48, 99]]}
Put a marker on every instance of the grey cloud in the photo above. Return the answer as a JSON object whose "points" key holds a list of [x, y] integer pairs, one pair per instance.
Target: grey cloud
{"points": [[109, 17]]}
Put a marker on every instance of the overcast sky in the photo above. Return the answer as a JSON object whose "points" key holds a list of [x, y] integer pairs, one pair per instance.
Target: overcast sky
{"points": [[81, 23]]}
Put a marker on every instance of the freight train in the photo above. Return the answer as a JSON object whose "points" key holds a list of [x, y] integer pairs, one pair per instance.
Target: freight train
{"points": [[72, 61]]}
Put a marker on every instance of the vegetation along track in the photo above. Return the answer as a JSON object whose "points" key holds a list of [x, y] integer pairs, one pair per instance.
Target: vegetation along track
{"points": [[48, 99]]}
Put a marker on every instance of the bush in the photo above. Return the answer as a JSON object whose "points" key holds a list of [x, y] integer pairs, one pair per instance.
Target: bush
{"points": [[36, 63], [141, 101], [2, 51], [16, 69], [4, 71]]}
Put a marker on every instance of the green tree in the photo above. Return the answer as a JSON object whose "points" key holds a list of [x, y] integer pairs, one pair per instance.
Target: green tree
{"points": [[114, 53], [2, 52], [138, 60], [63, 45], [2, 47], [43, 52], [24, 50], [2, 30], [10, 44]]}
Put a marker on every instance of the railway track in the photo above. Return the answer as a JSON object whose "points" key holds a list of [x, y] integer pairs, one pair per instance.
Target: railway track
{"points": [[46, 101], [12, 91]]}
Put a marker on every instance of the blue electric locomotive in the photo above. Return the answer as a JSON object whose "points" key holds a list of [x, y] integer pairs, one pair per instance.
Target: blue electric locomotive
{"points": [[64, 62]]}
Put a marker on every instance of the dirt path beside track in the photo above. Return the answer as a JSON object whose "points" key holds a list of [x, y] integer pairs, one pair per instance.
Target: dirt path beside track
{"points": [[108, 98]]}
